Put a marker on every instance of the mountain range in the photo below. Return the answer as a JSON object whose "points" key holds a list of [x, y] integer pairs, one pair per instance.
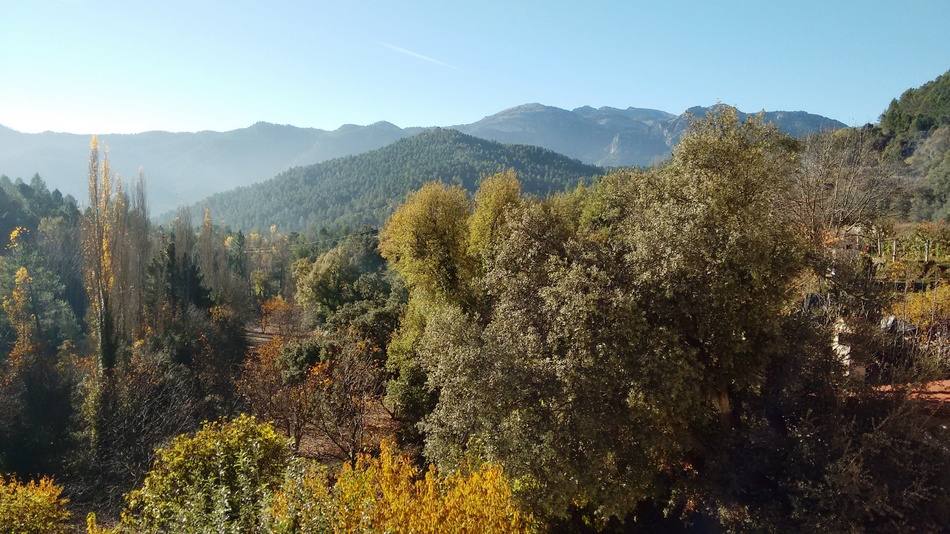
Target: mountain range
{"points": [[183, 167]]}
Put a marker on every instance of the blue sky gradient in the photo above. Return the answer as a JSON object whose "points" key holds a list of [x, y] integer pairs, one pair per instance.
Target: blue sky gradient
{"points": [[106, 66]]}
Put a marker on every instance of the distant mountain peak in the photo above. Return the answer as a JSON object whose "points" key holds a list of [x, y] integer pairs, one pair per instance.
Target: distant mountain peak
{"points": [[794, 123], [385, 124], [266, 125], [532, 107]]}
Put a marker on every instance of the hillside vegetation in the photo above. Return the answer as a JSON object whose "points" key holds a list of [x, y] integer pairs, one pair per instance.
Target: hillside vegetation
{"points": [[915, 133], [364, 189], [916, 114]]}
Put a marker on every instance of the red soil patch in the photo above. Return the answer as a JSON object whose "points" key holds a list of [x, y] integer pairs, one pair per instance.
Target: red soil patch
{"points": [[934, 395], [936, 391]]}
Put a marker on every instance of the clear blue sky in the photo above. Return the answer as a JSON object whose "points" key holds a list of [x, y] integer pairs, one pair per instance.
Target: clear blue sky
{"points": [[126, 66]]}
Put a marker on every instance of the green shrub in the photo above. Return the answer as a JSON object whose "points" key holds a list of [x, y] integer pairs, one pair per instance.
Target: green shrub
{"points": [[212, 481]]}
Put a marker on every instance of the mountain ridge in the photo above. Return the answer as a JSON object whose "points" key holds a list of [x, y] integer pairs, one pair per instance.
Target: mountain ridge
{"points": [[608, 136]]}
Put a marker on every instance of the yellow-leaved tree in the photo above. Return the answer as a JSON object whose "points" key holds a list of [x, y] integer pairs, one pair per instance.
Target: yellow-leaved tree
{"points": [[19, 309], [438, 241], [495, 195], [97, 252]]}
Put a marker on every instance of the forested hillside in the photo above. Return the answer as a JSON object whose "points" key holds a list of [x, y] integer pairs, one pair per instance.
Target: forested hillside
{"points": [[915, 132], [916, 114], [40, 231], [505, 311], [364, 189]]}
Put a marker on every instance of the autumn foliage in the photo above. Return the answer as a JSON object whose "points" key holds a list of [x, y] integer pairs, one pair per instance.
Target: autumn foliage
{"points": [[238, 476], [388, 493], [707, 343], [33, 507], [291, 403], [928, 310]]}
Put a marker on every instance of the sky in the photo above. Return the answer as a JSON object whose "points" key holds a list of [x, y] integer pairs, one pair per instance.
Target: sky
{"points": [[129, 66]]}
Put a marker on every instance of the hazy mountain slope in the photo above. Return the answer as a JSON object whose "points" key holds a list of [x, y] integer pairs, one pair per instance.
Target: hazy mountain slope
{"points": [[596, 136], [363, 189], [181, 167], [611, 136]]}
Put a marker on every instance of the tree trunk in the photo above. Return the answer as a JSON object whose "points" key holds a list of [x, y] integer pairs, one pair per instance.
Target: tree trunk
{"points": [[724, 404]]}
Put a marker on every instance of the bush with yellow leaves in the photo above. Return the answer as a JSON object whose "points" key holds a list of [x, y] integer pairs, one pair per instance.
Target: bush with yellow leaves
{"points": [[928, 310], [388, 494], [93, 527], [302, 504], [34, 507]]}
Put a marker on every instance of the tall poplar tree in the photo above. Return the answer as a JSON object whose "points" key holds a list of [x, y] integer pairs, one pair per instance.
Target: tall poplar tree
{"points": [[97, 240]]}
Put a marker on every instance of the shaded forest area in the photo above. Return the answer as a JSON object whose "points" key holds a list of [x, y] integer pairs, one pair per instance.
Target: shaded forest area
{"points": [[740, 339]]}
